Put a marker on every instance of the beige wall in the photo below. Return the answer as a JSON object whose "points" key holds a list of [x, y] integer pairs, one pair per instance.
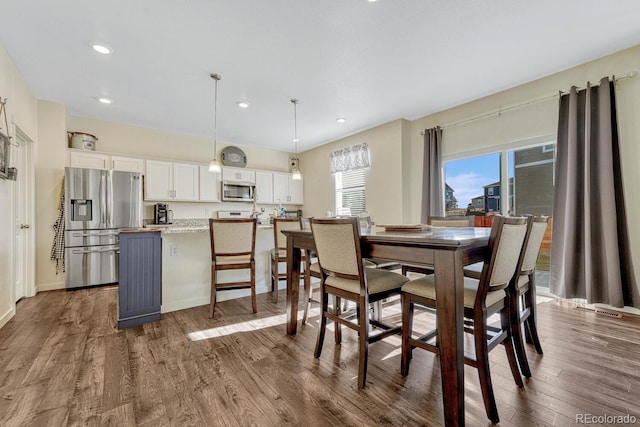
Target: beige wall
{"points": [[21, 113], [384, 178]]}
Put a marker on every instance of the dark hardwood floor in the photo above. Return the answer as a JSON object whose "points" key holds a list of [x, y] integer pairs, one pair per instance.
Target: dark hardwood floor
{"points": [[63, 362]]}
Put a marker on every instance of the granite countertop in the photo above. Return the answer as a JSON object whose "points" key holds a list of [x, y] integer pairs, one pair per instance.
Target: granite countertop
{"points": [[190, 225]]}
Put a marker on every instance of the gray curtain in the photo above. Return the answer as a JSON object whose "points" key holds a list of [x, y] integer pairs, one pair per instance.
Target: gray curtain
{"points": [[590, 244], [432, 175]]}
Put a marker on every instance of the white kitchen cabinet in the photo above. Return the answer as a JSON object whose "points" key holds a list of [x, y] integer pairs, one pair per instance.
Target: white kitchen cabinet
{"points": [[209, 185], [238, 174], [127, 164], [287, 190], [264, 187], [171, 181], [89, 160]]}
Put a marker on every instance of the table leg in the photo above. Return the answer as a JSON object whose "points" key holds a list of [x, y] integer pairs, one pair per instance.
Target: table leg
{"points": [[449, 281], [294, 256]]}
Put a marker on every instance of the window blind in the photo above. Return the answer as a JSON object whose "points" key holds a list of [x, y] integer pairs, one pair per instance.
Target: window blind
{"points": [[351, 191]]}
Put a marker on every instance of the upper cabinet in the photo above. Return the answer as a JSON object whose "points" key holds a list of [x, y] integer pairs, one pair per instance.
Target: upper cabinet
{"points": [[287, 190], [89, 160], [264, 187], [127, 164], [93, 160], [209, 185], [171, 181], [238, 174]]}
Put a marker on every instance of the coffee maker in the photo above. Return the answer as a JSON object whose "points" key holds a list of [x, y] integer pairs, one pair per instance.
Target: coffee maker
{"points": [[161, 214]]}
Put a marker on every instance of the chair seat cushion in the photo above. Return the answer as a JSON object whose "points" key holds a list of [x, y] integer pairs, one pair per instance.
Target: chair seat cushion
{"points": [[315, 268], [282, 254], [426, 287], [474, 270], [523, 281], [234, 259], [381, 263], [369, 264], [377, 281]]}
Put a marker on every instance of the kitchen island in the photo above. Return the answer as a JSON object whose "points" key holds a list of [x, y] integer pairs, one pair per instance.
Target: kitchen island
{"points": [[186, 265]]}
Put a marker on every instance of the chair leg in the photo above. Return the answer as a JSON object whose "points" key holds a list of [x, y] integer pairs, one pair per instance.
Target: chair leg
{"points": [[509, 345], [337, 326], [484, 373], [274, 279], [212, 301], [513, 322], [324, 306], [307, 294], [407, 327], [530, 323], [363, 320], [254, 304], [377, 310]]}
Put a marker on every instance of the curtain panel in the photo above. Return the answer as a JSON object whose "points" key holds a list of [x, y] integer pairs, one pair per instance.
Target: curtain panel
{"points": [[590, 245], [350, 158], [432, 176]]}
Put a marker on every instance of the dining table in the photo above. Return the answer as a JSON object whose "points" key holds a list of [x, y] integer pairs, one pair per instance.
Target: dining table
{"points": [[444, 249]]}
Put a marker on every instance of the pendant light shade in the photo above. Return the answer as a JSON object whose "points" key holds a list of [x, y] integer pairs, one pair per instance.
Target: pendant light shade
{"points": [[214, 166], [295, 170]]}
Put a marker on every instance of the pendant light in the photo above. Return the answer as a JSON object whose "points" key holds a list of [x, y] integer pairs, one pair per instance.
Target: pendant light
{"points": [[295, 170], [214, 166]]}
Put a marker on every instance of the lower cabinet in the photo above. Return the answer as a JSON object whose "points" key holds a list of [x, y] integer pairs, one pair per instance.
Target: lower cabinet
{"points": [[140, 285]]}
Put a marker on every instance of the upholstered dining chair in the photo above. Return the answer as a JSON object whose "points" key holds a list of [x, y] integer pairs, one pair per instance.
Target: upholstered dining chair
{"points": [[440, 221], [523, 295], [233, 247], [279, 254], [343, 275], [482, 298]]}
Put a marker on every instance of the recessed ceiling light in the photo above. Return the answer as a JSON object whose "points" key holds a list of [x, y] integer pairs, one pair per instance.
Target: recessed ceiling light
{"points": [[104, 100], [371, 1], [342, 119], [243, 104], [102, 48]]}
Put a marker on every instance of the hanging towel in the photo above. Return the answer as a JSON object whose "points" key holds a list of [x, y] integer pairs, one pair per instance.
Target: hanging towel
{"points": [[57, 249]]}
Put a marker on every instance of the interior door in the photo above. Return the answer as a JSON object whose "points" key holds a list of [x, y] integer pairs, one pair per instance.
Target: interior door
{"points": [[23, 242]]}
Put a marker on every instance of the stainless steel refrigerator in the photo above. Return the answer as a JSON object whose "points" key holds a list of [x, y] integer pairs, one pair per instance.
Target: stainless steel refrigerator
{"points": [[98, 204]]}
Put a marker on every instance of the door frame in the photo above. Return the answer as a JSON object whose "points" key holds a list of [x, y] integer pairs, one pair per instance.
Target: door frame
{"points": [[26, 173]]}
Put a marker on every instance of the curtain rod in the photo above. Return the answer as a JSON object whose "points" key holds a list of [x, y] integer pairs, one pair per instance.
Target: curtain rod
{"points": [[524, 104]]}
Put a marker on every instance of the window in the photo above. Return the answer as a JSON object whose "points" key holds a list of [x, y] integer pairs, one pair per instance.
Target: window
{"points": [[351, 191], [523, 173]]}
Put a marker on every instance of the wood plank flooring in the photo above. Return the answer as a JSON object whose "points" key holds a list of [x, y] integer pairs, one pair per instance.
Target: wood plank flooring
{"points": [[63, 362]]}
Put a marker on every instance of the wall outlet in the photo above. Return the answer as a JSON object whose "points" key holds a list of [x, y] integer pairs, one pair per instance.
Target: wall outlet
{"points": [[173, 250]]}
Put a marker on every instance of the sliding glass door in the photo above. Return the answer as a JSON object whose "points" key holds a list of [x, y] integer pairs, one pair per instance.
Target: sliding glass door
{"points": [[476, 186]]}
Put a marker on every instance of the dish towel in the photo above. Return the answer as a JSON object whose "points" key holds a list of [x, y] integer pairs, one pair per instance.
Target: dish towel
{"points": [[57, 249]]}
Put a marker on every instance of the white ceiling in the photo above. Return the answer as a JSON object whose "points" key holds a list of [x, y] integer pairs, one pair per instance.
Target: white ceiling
{"points": [[371, 62]]}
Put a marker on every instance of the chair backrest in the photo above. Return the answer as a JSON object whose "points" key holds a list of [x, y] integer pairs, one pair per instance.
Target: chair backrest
{"points": [[538, 229], [279, 224], [452, 221], [506, 253], [232, 237], [337, 242]]}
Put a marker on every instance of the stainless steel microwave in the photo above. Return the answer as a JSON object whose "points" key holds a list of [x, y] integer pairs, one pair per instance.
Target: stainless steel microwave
{"points": [[236, 191]]}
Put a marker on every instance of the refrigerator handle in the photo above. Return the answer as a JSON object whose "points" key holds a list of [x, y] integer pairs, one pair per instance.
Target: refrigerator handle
{"points": [[109, 197], [103, 200]]}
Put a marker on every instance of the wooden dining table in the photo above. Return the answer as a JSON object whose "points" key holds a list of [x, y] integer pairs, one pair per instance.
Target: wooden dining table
{"points": [[447, 251]]}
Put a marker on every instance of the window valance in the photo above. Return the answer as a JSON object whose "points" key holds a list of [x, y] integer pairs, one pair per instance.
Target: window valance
{"points": [[350, 158]]}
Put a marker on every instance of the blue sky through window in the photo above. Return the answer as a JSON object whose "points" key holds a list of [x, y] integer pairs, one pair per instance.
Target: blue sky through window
{"points": [[467, 177]]}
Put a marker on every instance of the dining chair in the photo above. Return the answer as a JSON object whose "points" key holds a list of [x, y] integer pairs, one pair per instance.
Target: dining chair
{"points": [[279, 254], [343, 275], [523, 295], [482, 298], [233, 247], [440, 221]]}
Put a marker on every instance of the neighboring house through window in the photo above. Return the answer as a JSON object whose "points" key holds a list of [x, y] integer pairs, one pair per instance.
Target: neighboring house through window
{"points": [[351, 191]]}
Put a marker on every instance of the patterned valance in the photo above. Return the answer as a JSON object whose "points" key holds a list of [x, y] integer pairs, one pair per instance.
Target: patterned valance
{"points": [[350, 158]]}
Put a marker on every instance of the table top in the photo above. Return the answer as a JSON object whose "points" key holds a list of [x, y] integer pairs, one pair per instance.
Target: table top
{"points": [[433, 237]]}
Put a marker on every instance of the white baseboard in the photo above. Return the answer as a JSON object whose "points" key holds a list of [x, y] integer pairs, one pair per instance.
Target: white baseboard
{"points": [[183, 304], [41, 287], [7, 316]]}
